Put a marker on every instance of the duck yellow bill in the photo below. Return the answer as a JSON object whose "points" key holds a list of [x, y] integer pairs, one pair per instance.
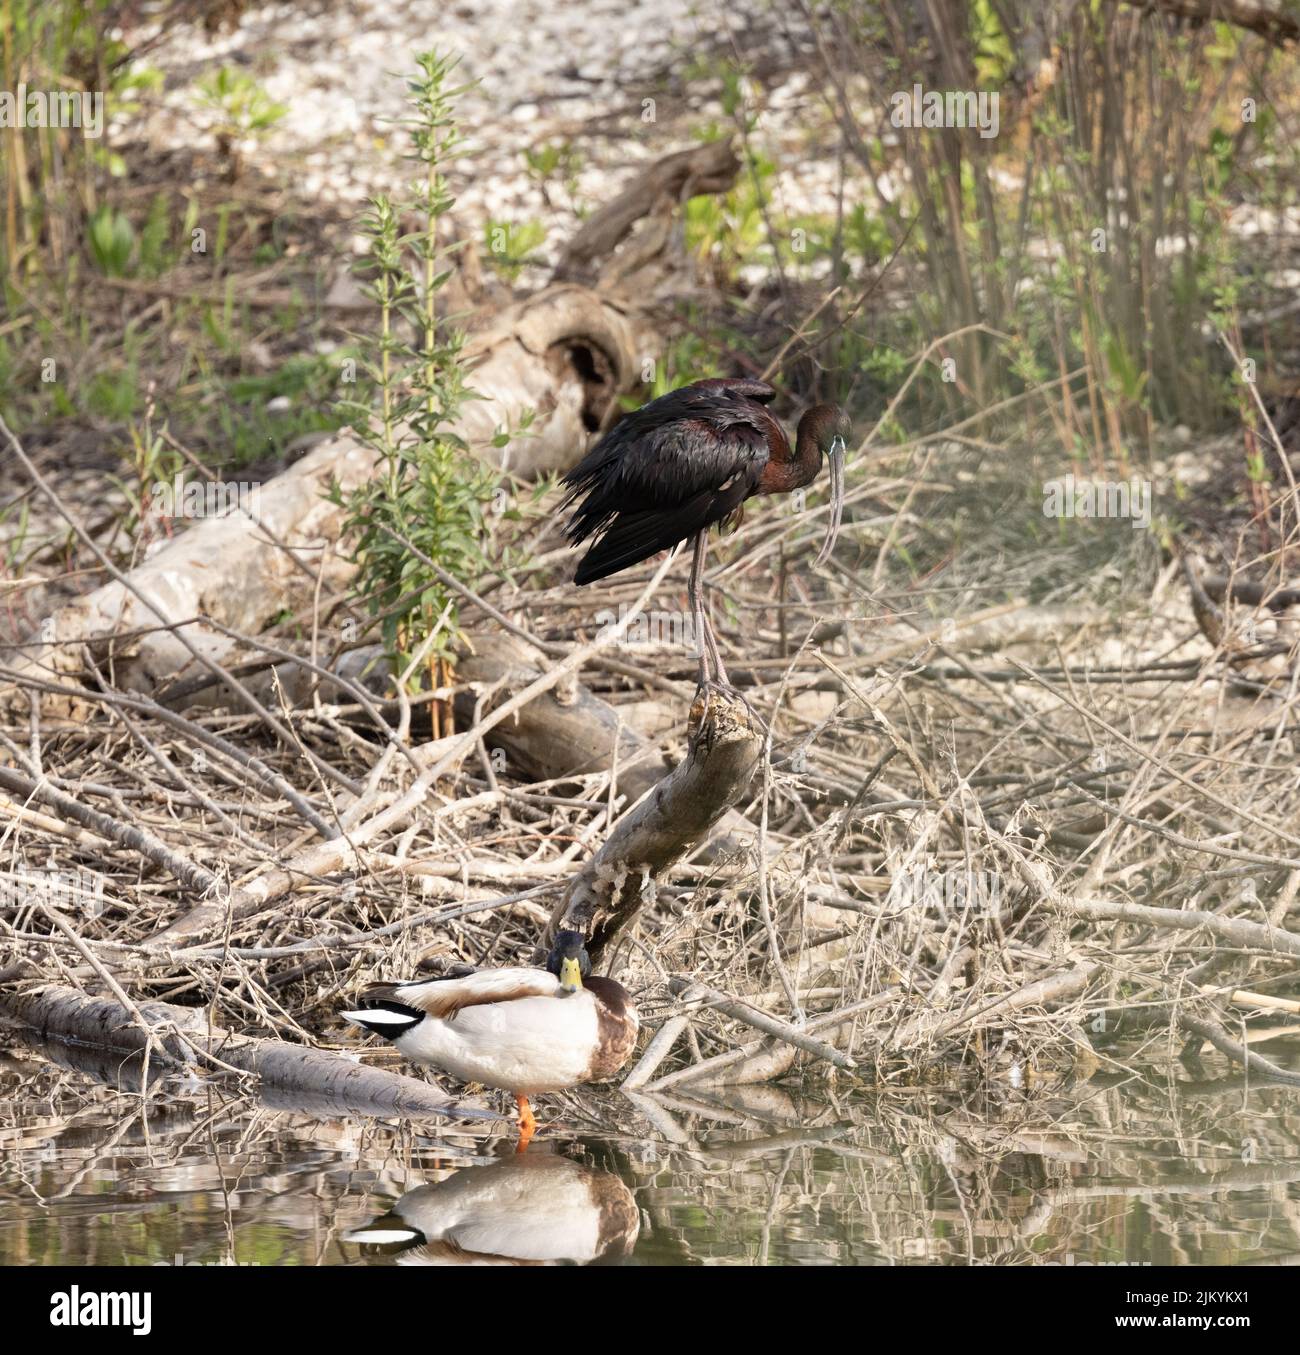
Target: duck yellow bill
{"points": [[570, 975], [836, 459]]}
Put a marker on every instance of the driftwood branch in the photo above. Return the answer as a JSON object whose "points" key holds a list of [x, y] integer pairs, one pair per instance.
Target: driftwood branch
{"points": [[690, 991], [1271, 19], [658, 191], [764, 1059], [566, 732], [655, 1053], [126, 835], [1040, 993], [1214, 1032], [1237, 931], [63, 1015], [677, 815]]}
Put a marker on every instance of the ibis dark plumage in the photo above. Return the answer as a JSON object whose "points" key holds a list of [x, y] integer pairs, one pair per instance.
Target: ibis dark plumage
{"points": [[688, 460]]}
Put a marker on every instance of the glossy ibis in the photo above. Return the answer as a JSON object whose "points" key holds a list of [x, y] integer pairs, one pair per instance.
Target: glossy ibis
{"points": [[685, 461]]}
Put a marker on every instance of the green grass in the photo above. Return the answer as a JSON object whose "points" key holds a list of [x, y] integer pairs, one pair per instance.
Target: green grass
{"points": [[310, 382]]}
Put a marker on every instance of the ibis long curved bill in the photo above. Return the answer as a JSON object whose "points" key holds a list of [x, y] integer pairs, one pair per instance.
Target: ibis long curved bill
{"points": [[835, 458]]}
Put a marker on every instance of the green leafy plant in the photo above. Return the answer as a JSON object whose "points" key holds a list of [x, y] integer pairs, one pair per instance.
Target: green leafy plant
{"points": [[556, 160], [728, 232], [263, 414], [112, 240], [512, 247], [49, 174], [431, 492], [994, 55], [114, 393], [155, 237], [152, 461], [243, 108], [15, 541]]}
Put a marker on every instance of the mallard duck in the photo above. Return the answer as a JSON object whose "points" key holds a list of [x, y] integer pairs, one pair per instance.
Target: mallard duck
{"points": [[531, 1210], [523, 1030]]}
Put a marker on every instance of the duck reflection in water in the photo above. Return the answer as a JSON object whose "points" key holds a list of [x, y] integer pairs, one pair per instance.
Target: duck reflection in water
{"points": [[531, 1209]]}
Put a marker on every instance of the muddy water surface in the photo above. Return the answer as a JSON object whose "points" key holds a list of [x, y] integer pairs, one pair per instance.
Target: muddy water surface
{"points": [[1151, 1168]]}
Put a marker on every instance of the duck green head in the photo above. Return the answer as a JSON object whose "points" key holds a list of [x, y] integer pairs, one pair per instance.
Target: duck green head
{"points": [[569, 961]]}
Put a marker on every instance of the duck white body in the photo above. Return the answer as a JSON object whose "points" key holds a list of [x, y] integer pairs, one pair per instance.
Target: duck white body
{"points": [[531, 1044], [533, 1210], [517, 1029]]}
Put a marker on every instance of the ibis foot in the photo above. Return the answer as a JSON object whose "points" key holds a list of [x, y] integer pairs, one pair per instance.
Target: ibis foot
{"points": [[727, 692]]}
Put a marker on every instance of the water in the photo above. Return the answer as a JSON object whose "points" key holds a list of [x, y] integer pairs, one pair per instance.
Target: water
{"points": [[1163, 1166]]}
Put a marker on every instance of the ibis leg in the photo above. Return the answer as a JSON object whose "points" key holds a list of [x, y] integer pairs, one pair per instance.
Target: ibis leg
{"points": [[527, 1124], [711, 669]]}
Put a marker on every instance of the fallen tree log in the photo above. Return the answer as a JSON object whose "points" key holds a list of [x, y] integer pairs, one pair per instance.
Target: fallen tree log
{"points": [[653, 195], [183, 1036], [574, 735], [1271, 19], [565, 354], [568, 732], [611, 889]]}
